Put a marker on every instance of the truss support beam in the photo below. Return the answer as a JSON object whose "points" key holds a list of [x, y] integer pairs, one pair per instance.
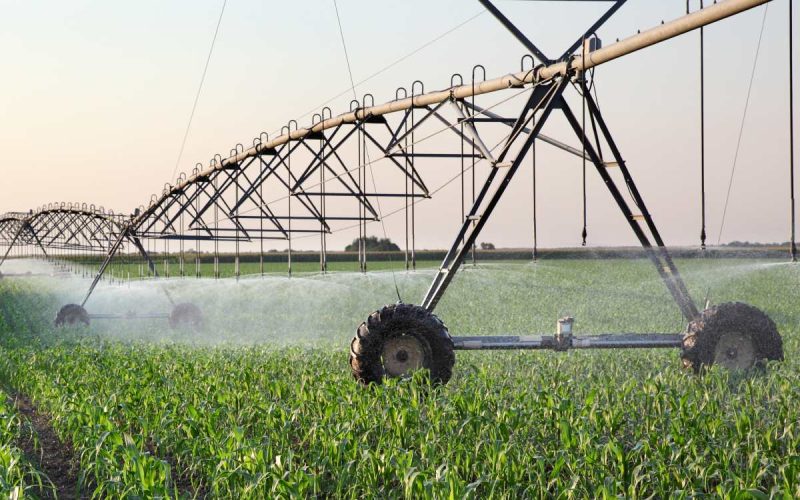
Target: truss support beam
{"points": [[711, 14], [481, 210], [38, 241], [542, 137], [543, 99], [13, 242], [593, 28], [24, 226], [125, 234], [659, 255], [507, 24]]}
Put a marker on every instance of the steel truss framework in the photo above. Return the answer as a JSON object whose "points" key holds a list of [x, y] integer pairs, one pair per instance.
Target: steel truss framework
{"points": [[546, 98], [79, 228], [305, 182]]}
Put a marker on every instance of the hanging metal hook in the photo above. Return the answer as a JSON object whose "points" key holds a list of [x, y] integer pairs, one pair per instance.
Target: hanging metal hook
{"points": [[475, 70], [453, 84], [414, 88]]}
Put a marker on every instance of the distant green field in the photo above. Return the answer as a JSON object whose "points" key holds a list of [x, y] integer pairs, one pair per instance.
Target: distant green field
{"points": [[227, 268], [261, 403]]}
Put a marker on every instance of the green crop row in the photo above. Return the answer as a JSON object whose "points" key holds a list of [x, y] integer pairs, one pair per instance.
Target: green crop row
{"points": [[171, 415], [18, 477]]}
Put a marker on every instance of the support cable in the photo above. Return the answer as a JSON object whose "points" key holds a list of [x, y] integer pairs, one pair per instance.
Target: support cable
{"points": [[741, 127], [394, 63], [199, 90], [368, 162]]}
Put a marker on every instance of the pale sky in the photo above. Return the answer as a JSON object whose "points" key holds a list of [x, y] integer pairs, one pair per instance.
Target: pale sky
{"points": [[95, 98]]}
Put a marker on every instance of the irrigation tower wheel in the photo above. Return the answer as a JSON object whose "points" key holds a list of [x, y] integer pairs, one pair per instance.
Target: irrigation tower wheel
{"points": [[734, 335], [186, 315], [71, 315], [398, 340]]}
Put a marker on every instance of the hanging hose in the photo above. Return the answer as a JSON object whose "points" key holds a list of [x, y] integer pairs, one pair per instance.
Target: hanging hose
{"points": [[584, 233], [367, 163], [702, 132], [793, 243], [535, 242], [702, 138]]}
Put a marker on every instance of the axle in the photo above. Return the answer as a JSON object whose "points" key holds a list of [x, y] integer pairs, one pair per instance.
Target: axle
{"points": [[563, 340], [551, 342], [131, 315]]}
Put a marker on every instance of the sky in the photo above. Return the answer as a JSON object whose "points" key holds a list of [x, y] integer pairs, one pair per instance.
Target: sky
{"points": [[95, 97]]}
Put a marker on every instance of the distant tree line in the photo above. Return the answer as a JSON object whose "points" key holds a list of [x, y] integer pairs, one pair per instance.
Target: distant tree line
{"points": [[373, 244], [754, 244]]}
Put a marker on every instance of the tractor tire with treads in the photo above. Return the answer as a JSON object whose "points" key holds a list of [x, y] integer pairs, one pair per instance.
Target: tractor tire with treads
{"points": [[399, 339], [735, 335], [186, 315], [71, 315]]}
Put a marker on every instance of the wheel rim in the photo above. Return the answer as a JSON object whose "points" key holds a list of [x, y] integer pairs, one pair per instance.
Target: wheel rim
{"points": [[735, 351], [402, 355], [185, 316], [74, 318]]}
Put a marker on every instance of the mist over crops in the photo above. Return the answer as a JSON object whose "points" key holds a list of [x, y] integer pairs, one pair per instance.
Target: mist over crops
{"points": [[498, 298], [261, 402]]}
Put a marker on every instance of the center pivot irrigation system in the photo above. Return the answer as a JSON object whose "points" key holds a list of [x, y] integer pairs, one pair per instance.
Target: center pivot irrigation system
{"points": [[401, 338], [302, 184], [81, 229]]}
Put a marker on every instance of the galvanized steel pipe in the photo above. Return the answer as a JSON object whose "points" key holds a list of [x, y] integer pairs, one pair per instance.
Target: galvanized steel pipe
{"points": [[663, 32]]}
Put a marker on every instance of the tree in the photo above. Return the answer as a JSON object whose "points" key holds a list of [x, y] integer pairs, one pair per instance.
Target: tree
{"points": [[372, 243], [487, 246]]}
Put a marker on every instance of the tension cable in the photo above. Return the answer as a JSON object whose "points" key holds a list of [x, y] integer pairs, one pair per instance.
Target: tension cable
{"points": [[366, 153], [741, 127], [199, 89]]}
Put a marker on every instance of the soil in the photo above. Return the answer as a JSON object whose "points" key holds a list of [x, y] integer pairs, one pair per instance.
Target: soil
{"points": [[182, 481], [58, 462], [53, 458]]}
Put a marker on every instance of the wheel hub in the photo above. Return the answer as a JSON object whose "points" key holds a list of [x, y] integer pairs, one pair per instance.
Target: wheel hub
{"points": [[402, 355], [735, 351]]}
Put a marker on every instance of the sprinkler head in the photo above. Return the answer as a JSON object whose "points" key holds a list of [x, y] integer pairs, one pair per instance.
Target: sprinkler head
{"points": [[563, 337], [564, 325], [186, 315]]}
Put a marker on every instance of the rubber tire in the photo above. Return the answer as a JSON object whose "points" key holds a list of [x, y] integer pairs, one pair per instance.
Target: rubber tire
{"points": [[366, 347], [71, 315], [702, 334], [186, 315]]}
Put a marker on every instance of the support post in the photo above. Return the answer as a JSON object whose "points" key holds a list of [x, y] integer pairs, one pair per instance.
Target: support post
{"points": [[544, 98], [660, 256], [11, 245]]}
